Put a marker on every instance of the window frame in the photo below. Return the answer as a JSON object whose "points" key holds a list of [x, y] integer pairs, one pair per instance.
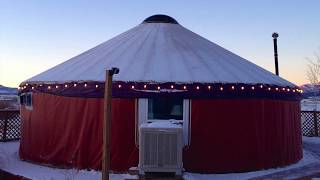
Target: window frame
{"points": [[24, 100], [142, 117]]}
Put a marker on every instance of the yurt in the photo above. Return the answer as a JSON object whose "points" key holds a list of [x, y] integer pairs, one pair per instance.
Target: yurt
{"points": [[236, 116]]}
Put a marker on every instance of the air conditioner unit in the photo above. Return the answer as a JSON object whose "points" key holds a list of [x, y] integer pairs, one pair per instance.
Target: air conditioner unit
{"points": [[160, 147]]}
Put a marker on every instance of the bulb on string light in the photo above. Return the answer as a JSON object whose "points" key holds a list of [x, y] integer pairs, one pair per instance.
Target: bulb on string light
{"points": [[293, 90], [261, 86], [184, 87], [277, 89], [85, 85], [288, 90], [145, 86], [269, 88], [27, 84], [198, 87], [57, 86], [119, 86], [158, 87], [221, 88], [66, 85], [97, 85], [232, 87], [49, 87], [132, 87], [75, 85], [209, 87], [40, 85], [242, 88], [283, 89], [32, 87], [252, 87], [172, 86]]}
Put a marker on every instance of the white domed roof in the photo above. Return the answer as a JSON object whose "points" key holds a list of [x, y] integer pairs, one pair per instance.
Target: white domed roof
{"points": [[160, 52]]}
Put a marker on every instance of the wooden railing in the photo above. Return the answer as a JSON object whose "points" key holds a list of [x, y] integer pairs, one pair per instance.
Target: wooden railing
{"points": [[9, 125], [310, 123]]}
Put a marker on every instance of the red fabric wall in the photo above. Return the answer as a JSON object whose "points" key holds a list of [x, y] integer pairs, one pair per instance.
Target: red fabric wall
{"points": [[242, 135], [227, 135], [66, 131]]}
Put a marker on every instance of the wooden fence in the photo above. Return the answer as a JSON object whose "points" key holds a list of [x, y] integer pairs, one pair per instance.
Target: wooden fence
{"points": [[310, 123], [9, 125]]}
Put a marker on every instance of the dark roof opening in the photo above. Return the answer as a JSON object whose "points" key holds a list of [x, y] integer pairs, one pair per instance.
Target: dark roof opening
{"points": [[160, 18]]}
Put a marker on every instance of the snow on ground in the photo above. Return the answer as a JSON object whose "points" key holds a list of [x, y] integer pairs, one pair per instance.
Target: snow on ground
{"points": [[312, 140], [10, 162], [308, 158]]}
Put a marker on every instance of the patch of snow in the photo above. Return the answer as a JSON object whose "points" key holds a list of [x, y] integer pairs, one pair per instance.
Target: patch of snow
{"points": [[162, 124], [312, 140], [308, 158], [310, 105], [10, 162], [160, 52]]}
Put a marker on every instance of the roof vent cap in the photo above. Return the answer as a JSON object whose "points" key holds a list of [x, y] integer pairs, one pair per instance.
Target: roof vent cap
{"points": [[160, 18]]}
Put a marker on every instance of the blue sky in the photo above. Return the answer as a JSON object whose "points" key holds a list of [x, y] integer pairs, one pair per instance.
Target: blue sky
{"points": [[38, 34]]}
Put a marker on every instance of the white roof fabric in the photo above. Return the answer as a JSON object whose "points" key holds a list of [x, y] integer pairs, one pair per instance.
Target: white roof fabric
{"points": [[160, 52]]}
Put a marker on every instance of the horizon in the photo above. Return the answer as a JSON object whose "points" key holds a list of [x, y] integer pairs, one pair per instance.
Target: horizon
{"points": [[45, 34]]}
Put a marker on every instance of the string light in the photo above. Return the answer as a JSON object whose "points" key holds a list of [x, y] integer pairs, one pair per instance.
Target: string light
{"points": [[172, 86]]}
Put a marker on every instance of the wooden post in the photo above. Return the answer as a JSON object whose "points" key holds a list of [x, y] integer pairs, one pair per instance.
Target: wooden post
{"points": [[107, 122], [315, 123]]}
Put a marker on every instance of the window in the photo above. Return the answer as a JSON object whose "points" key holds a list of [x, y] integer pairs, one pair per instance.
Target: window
{"points": [[165, 108], [26, 100], [161, 109]]}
